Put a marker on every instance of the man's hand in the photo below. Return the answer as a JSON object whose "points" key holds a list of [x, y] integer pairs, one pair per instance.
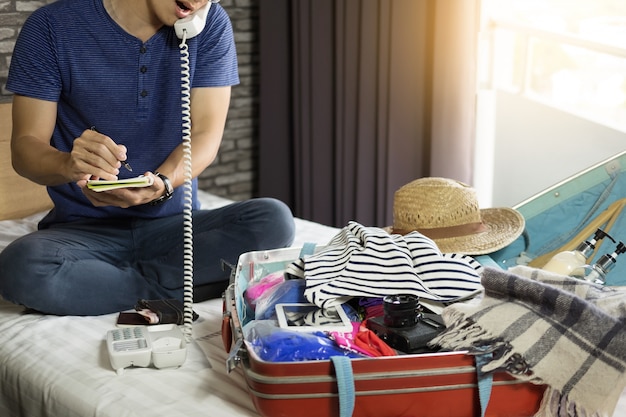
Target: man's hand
{"points": [[96, 155]]}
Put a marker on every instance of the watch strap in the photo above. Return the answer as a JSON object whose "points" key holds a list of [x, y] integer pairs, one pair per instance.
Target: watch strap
{"points": [[167, 194]]}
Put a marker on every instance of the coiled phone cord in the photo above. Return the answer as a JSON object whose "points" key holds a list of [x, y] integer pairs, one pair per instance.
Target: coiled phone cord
{"points": [[187, 191]]}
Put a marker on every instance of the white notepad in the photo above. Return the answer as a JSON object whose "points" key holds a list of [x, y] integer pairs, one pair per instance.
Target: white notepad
{"points": [[103, 185]]}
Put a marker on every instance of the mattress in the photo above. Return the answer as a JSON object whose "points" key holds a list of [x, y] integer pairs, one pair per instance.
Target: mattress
{"points": [[59, 366]]}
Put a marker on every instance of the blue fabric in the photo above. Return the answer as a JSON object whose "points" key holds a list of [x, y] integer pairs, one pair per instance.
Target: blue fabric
{"points": [[273, 344], [71, 52], [289, 291], [97, 267]]}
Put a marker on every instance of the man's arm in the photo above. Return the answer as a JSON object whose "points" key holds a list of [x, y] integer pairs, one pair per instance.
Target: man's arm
{"points": [[34, 158], [93, 154], [209, 109]]}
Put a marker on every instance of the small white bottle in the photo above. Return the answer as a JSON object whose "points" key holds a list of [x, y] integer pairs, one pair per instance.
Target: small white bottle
{"points": [[568, 262], [596, 273]]}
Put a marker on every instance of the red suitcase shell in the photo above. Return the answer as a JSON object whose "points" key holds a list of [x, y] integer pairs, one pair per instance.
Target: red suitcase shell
{"points": [[429, 385]]}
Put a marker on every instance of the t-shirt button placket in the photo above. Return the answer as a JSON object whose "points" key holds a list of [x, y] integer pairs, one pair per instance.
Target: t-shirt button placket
{"points": [[144, 62]]}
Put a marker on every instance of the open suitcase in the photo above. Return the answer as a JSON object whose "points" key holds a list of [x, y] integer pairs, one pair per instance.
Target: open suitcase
{"points": [[436, 384], [431, 384]]}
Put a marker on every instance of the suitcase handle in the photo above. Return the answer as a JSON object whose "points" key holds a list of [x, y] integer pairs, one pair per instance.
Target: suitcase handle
{"points": [[482, 356], [231, 328], [227, 332], [345, 384]]}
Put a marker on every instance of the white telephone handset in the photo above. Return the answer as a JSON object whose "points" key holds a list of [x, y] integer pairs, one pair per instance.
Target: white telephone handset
{"points": [[192, 25]]}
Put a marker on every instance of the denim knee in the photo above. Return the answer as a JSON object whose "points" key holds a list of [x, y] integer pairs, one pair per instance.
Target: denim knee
{"points": [[280, 219], [18, 265]]}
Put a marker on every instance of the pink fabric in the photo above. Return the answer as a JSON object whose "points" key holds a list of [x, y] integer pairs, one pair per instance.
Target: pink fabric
{"points": [[264, 285]]}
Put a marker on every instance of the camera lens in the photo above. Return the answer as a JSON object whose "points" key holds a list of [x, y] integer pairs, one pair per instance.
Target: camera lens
{"points": [[402, 310]]}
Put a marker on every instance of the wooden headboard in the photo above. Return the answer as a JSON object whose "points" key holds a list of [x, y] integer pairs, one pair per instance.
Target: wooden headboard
{"points": [[19, 197]]}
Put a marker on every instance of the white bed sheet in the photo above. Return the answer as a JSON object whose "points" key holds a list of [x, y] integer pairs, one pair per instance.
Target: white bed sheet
{"points": [[58, 366]]}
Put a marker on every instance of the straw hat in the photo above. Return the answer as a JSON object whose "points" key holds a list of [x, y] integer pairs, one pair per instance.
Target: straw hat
{"points": [[447, 212]]}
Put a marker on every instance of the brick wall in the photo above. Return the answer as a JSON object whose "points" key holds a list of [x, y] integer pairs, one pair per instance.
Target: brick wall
{"points": [[233, 174]]}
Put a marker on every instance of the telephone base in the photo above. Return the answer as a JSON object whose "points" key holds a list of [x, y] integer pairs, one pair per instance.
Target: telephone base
{"points": [[162, 346]]}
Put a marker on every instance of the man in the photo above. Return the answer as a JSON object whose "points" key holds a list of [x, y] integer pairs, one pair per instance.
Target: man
{"points": [[115, 65]]}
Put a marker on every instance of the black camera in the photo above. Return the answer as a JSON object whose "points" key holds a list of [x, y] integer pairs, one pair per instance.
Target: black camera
{"points": [[404, 326]]}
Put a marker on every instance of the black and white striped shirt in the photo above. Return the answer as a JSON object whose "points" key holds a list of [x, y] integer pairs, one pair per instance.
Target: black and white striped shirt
{"points": [[369, 262]]}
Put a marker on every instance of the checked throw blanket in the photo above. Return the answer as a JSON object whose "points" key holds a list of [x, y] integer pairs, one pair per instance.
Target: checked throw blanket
{"points": [[545, 328]]}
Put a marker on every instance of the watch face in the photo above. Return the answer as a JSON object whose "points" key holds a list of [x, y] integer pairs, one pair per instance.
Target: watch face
{"points": [[168, 186]]}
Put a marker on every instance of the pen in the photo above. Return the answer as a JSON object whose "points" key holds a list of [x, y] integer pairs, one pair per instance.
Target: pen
{"points": [[126, 164]]}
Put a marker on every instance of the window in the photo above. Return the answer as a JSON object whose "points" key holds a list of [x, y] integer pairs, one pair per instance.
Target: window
{"points": [[551, 97], [570, 54]]}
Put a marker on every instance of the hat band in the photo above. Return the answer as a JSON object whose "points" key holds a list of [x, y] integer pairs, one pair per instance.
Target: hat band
{"points": [[449, 231]]}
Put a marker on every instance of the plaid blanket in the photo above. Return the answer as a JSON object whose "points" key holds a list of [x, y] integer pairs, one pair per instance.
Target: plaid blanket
{"points": [[550, 329]]}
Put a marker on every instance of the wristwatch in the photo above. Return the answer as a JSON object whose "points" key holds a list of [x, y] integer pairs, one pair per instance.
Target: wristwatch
{"points": [[169, 190]]}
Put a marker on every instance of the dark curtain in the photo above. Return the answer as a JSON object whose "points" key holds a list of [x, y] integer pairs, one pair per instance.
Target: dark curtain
{"points": [[348, 95]]}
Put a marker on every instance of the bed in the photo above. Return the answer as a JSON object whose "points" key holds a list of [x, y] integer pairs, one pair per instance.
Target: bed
{"points": [[58, 366]]}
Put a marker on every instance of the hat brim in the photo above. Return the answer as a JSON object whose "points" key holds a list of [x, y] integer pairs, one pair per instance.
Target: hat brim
{"points": [[504, 225]]}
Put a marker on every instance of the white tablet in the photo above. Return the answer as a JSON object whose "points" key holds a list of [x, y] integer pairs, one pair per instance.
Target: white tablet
{"points": [[305, 317]]}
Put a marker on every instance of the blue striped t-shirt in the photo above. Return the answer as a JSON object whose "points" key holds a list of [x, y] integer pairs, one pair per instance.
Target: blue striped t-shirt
{"points": [[72, 52]]}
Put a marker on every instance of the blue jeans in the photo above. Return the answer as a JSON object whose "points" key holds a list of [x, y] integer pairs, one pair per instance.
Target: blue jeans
{"points": [[94, 267]]}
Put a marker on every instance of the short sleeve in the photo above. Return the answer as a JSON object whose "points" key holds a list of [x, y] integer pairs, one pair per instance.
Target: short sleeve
{"points": [[34, 69], [216, 59]]}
